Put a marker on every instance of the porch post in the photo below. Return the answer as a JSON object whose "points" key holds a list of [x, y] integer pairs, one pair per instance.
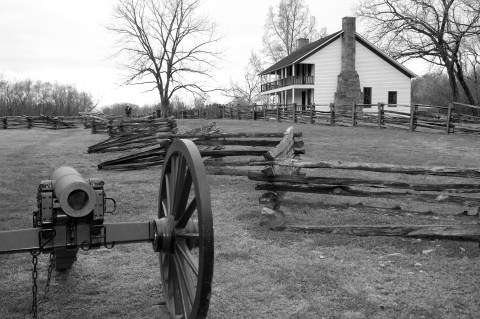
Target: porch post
{"points": [[312, 110], [294, 113]]}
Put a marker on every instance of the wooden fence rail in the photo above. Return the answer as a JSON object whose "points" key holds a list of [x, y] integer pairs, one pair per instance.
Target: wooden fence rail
{"points": [[461, 194], [41, 121], [455, 118]]}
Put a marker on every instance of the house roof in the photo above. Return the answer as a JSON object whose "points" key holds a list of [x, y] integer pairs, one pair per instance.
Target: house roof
{"points": [[298, 54], [311, 48], [384, 56]]}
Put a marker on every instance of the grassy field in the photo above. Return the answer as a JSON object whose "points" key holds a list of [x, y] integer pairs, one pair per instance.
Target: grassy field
{"points": [[259, 273]]}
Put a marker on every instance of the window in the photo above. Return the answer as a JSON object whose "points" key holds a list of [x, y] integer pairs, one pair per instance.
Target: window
{"points": [[392, 98], [367, 96]]}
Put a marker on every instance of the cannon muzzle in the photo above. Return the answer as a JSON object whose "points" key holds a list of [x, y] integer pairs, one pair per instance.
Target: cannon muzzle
{"points": [[75, 195]]}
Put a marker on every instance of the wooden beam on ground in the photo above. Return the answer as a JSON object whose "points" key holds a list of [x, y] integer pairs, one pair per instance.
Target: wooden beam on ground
{"points": [[227, 135], [375, 167], [469, 232], [226, 171], [354, 192], [222, 153], [237, 142], [299, 179]]}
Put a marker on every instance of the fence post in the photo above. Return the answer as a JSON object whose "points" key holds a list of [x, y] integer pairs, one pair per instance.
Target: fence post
{"points": [[278, 112], [413, 110], [381, 115], [110, 126], [332, 114], [354, 111], [294, 113], [312, 110], [449, 114]]}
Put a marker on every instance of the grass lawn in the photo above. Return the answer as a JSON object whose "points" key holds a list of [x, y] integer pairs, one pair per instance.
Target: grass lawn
{"points": [[258, 273]]}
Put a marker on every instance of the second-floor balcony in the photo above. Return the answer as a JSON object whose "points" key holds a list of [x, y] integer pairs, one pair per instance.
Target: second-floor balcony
{"points": [[291, 80]]}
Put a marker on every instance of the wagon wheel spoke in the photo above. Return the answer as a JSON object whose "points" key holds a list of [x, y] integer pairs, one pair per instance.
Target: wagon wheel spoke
{"points": [[185, 283], [184, 187], [166, 196], [182, 219], [188, 257], [180, 178]]}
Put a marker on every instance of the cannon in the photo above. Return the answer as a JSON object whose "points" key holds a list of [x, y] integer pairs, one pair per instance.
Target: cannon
{"points": [[71, 212]]}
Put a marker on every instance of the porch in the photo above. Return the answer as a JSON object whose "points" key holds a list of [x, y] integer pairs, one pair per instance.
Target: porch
{"points": [[291, 80], [299, 96], [300, 74]]}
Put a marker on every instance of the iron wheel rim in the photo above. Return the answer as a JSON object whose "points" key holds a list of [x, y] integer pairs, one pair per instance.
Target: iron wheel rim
{"points": [[186, 267]]}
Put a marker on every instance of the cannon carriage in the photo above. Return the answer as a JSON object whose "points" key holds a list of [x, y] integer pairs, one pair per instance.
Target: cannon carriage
{"points": [[71, 216]]}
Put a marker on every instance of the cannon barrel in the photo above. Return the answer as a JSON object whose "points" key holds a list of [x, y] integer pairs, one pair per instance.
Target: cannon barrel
{"points": [[75, 195]]}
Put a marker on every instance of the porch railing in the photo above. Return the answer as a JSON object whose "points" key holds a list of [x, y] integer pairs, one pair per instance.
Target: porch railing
{"points": [[291, 80]]}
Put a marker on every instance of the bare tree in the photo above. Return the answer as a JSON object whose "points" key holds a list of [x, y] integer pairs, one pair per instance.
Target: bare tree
{"points": [[166, 45], [26, 97], [247, 90], [471, 60], [432, 30], [431, 88], [286, 23], [199, 101], [178, 104], [3, 95]]}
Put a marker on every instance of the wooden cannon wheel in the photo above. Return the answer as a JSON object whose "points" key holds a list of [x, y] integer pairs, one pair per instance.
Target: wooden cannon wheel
{"points": [[184, 232]]}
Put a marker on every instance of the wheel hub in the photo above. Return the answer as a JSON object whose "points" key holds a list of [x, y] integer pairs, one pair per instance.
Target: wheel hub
{"points": [[164, 234]]}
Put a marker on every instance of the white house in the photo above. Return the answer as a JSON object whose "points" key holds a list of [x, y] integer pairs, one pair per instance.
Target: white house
{"points": [[340, 68]]}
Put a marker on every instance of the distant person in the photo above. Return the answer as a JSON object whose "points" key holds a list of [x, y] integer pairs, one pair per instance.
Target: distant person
{"points": [[128, 110], [159, 113]]}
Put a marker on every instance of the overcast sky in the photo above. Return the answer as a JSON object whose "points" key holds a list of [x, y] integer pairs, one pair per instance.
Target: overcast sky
{"points": [[66, 41]]}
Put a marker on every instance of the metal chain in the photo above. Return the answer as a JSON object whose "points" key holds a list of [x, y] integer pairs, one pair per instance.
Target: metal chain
{"points": [[34, 287], [35, 277], [49, 273]]}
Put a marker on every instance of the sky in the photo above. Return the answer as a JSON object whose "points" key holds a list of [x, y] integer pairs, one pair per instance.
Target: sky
{"points": [[66, 41]]}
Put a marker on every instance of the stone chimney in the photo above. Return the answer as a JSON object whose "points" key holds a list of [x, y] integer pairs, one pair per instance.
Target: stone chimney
{"points": [[348, 84], [301, 42]]}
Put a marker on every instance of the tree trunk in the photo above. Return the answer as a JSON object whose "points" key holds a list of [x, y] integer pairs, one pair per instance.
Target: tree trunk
{"points": [[165, 107], [453, 82], [464, 84], [476, 83]]}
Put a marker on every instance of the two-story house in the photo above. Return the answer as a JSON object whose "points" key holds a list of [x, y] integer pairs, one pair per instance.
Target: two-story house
{"points": [[340, 68]]}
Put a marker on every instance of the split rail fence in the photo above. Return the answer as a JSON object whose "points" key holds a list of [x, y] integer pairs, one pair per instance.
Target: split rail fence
{"points": [[147, 150], [455, 118], [41, 121], [461, 193]]}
